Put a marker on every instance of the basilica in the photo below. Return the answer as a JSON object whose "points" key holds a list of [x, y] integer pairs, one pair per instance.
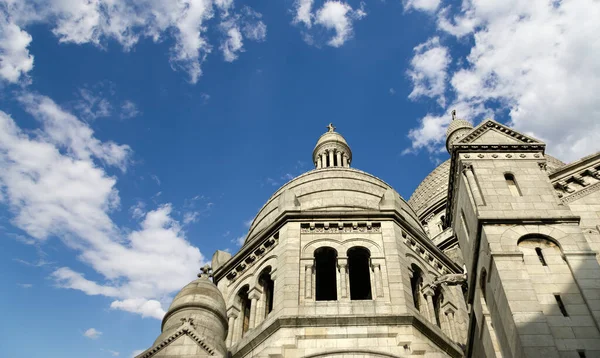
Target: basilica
{"points": [[495, 254]]}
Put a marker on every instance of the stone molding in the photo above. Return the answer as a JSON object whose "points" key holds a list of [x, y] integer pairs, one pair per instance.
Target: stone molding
{"points": [[252, 258], [426, 255], [430, 331], [478, 131], [581, 193], [188, 328], [340, 227]]}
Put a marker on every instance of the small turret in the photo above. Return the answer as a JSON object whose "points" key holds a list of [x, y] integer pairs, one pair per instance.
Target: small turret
{"points": [[195, 322], [332, 150], [457, 129]]}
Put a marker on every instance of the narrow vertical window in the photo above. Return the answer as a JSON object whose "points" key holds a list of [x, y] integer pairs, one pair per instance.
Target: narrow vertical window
{"points": [[326, 278], [438, 299], [267, 285], [416, 281], [561, 305], [245, 309], [540, 254], [360, 273], [512, 184]]}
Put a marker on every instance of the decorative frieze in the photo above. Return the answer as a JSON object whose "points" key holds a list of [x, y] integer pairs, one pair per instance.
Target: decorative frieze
{"points": [[426, 255], [581, 193], [340, 227], [250, 259]]}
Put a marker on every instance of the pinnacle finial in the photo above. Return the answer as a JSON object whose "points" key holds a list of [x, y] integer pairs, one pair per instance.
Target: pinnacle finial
{"points": [[453, 114], [330, 127], [205, 271]]}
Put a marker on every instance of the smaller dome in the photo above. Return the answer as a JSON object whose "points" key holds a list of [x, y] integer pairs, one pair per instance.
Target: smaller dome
{"points": [[202, 305], [331, 137], [457, 129]]}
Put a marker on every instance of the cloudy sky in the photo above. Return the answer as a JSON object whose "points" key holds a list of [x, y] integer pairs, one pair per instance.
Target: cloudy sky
{"points": [[139, 136]]}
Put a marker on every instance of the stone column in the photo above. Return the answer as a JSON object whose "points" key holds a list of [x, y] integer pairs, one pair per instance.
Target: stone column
{"points": [[230, 332], [331, 158], [451, 328], [254, 302], [343, 269], [338, 158], [468, 171], [344, 160], [378, 279], [319, 163], [308, 286], [428, 292], [324, 160]]}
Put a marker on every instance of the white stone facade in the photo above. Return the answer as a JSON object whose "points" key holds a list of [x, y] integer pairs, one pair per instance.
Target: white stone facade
{"points": [[495, 254]]}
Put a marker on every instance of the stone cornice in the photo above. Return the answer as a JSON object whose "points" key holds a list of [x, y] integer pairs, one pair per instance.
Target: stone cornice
{"points": [[344, 216], [491, 124], [427, 329], [581, 193], [187, 328]]}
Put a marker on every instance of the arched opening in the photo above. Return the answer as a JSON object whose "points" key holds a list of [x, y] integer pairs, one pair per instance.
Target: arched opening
{"points": [[360, 273], [538, 251], [443, 222], [245, 307], [512, 184], [438, 300], [268, 285], [416, 283], [326, 276]]}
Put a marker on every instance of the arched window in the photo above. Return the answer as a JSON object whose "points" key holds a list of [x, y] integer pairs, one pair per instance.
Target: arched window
{"points": [[512, 184], [416, 283], [360, 273], [267, 284], [443, 222], [326, 277], [245, 308]]}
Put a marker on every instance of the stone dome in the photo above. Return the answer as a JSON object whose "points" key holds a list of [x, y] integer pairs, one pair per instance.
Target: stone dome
{"points": [[201, 301], [336, 189], [434, 188], [331, 137]]}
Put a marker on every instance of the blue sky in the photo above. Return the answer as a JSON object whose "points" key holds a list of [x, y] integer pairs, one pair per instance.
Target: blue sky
{"points": [[138, 137]]}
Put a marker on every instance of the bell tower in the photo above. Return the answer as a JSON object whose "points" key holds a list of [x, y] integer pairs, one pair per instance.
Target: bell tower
{"points": [[527, 259]]}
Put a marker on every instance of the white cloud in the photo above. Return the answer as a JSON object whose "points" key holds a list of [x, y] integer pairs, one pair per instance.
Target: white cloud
{"points": [[338, 16], [304, 12], [233, 43], [52, 183], [129, 110], [538, 59], [99, 21], [136, 353], [142, 306], [190, 217], [239, 241], [93, 106], [114, 353], [65, 131], [15, 60], [92, 333], [333, 15], [422, 5], [428, 70], [25, 285]]}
